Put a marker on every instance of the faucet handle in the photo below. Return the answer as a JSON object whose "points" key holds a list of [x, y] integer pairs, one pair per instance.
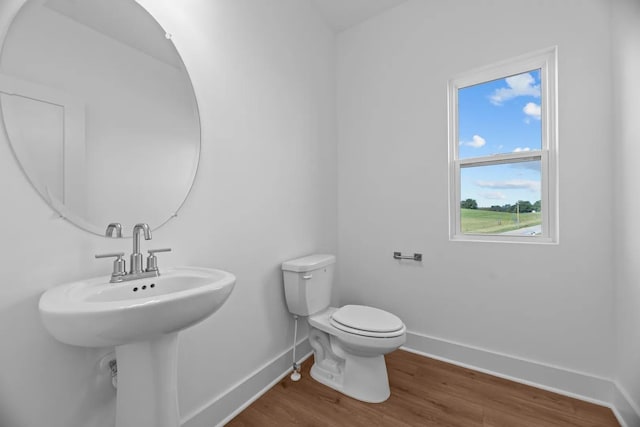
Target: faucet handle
{"points": [[152, 259], [119, 265], [153, 251]]}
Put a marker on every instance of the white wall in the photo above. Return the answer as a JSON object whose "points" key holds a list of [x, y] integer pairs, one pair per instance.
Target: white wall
{"points": [[626, 60], [551, 304], [265, 192]]}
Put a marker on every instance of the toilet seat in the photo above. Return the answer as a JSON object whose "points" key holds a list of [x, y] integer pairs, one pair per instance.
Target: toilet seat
{"points": [[367, 321]]}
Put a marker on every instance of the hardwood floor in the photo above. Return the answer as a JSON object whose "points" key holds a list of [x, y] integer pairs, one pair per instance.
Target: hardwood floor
{"points": [[424, 392]]}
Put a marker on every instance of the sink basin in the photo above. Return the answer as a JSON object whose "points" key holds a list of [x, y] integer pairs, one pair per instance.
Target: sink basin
{"points": [[96, 313], [141, 318]]}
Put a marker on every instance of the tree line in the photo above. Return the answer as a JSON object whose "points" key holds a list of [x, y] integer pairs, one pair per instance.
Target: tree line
{"points": [[522, 206]]}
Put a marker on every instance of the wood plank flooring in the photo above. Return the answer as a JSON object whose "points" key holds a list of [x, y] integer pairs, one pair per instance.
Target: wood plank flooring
{"points": [[424, 392]]}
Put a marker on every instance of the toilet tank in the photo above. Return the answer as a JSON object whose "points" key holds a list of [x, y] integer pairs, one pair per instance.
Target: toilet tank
{"points": [[307, 283]]}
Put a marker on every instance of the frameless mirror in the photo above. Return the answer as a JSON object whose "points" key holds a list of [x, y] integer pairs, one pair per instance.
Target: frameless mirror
{"points": [[100, 111]]}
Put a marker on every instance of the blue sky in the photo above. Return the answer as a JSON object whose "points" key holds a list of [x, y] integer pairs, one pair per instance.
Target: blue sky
{"points": [[500, 116]]}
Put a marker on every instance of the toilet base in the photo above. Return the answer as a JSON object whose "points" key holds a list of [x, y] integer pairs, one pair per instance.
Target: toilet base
{"points": [[362, 378]]}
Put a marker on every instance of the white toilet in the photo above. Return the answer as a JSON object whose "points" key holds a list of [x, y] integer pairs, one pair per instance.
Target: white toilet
{"points": [[349, 343]]}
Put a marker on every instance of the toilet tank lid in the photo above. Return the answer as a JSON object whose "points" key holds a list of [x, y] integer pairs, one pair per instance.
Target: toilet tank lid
{"points": [[308, 263]]}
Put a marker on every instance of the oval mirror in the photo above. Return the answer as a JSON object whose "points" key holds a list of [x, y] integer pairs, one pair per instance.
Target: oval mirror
{"points": [[100, 111]]}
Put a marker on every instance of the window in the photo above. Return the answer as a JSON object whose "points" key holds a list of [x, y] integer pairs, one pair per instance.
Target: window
{"points": [[502, 151]]}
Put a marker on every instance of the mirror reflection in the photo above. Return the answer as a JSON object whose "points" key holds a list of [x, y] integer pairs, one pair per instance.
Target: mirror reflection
{"points": [[100, 111]]}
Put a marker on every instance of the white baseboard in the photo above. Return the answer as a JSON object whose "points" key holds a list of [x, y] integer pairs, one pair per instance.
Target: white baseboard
{"points": [[226, 406], [580, 385], [627, 413]]}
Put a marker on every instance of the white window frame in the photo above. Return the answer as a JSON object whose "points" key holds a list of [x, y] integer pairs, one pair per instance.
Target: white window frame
{"points": [[546, 61]]}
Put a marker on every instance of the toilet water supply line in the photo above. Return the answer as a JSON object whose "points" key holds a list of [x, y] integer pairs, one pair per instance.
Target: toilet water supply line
{"points": [[295, 376], [110, 364], [113, 367]]}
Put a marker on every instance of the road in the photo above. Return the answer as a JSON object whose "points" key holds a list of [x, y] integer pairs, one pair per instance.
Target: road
{"points": [[527, 231]]}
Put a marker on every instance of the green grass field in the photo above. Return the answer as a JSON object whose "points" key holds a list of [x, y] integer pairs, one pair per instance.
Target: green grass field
{"points": [[490, 222]]}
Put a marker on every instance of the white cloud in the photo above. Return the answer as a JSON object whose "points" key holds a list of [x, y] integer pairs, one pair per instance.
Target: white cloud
{"points": [[513, 184], [518, 85], [494, 195], [521, 149], [532, 110], [476, 142]]}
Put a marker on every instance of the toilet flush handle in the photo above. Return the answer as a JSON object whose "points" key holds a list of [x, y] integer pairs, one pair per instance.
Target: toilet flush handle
{"points": [[307, 276]]}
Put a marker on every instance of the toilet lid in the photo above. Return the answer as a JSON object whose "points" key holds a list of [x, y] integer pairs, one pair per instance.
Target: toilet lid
{"points": [[366, 319]]}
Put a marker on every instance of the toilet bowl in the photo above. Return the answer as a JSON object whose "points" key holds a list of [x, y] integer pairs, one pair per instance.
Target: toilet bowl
{"points": [[352, 362], [349, 343]]}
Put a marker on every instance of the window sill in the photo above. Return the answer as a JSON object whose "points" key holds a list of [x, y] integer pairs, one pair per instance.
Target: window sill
{"points": [[527, 240]]}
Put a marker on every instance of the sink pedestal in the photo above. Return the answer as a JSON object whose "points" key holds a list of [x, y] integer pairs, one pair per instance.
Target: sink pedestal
{"points": [[147, 393]]}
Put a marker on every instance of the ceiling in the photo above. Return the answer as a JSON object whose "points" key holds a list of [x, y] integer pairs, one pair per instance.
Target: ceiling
{"points": [[342, 14]]}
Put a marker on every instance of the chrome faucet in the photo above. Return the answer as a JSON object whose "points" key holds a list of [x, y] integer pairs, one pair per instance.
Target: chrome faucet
{"points": [[114, 227], [136, 271], [136, 256]]}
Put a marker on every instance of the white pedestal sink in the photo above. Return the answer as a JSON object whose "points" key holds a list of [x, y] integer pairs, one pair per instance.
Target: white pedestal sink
{"points": [[141, 318]]}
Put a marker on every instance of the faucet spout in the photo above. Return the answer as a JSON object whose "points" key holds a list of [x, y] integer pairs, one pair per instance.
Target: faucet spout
{"points": [[136, 256], [114, 227], [136, 236]]}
